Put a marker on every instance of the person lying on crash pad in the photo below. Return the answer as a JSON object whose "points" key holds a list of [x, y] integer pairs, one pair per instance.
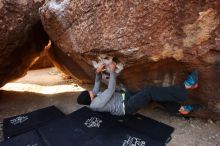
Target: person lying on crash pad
{"points": [[121, 103]]}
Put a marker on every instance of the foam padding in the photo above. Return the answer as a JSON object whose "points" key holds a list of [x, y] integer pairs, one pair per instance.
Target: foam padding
{"points": [[152, 128], [93, 122], [138, 123], [122, 136], [77, 128], [85, 127], [65, 132], [26, 122], [27, 139]]}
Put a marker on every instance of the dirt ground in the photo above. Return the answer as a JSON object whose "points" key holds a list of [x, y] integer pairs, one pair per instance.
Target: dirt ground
{"points": [[43, 83]]}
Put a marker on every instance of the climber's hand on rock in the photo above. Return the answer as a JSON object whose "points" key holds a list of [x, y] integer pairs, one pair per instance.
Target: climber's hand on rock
{"points": [[100, 68], [112, 66]]}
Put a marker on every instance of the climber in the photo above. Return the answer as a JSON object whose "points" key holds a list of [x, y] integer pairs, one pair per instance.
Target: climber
{"points": [[121, 103]]}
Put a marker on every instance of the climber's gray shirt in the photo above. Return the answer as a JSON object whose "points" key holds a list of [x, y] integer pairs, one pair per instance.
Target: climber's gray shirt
{"points": [[109, 100]]}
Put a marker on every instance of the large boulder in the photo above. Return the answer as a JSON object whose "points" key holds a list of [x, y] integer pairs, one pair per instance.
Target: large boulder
{"points": [[158, 41], [22, 37]]}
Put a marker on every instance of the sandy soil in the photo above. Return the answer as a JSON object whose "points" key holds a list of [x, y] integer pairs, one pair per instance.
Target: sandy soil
{"points": [[188, 132]]}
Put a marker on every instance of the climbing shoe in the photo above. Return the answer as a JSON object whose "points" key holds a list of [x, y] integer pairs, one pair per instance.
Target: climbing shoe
{"points": [[186, 109], [192, 80]]}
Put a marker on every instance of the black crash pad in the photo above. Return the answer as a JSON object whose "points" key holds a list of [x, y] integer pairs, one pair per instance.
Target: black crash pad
{"points": [[93, 122], [77, 128], [27, 139], [26, 122], [122, 136], [137, 122], [152, 128], [64, 132], [87, 128]]}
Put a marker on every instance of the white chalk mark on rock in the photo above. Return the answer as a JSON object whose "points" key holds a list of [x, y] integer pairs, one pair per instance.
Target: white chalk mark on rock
{"points": [[106, 60]]}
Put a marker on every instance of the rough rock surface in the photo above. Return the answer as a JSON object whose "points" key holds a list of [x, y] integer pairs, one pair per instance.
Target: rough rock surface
{"points": [[158, 41], [22, 37], [43, 61], [72, 66]]}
